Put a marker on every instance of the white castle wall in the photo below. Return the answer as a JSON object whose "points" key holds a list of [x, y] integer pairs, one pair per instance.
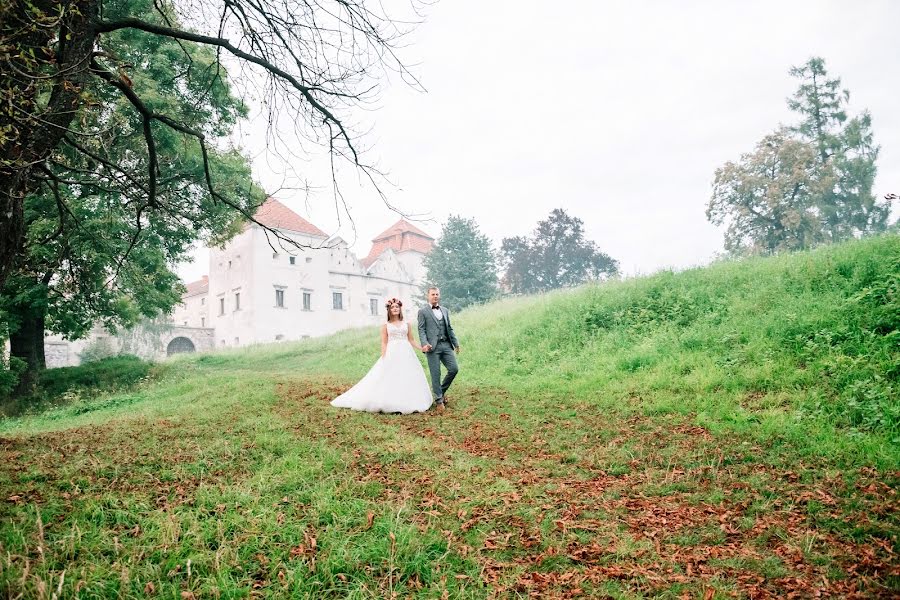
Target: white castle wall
{"points": [[193, 311], [250, 267]]}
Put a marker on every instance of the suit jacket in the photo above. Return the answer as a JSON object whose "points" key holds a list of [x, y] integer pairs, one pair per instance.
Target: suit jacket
{"points": [[430, 328]]}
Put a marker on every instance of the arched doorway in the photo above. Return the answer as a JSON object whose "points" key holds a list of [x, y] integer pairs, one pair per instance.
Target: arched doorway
{"points": [[180, 345]]}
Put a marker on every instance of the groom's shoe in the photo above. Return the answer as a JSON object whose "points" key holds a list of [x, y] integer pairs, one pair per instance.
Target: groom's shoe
{"points": [[446, 400], [439, 404]]}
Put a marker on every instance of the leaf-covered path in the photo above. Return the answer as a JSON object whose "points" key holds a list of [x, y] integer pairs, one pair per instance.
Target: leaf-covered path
{"points": [[495, 497], [568, 505]]}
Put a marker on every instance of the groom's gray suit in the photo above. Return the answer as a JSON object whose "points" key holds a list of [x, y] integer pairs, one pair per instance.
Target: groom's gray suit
{"points": [[439, 334]]}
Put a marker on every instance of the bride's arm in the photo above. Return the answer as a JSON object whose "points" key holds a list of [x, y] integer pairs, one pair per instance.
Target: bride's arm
{"points": [[384, 340], [409, 336]]}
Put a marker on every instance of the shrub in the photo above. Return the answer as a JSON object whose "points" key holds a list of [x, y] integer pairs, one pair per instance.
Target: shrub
{"points": [[9, 376], [98, 349], [105, 374]]}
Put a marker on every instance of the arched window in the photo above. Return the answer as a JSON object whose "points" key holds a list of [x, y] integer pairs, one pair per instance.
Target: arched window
{"points": [[180, 345]]}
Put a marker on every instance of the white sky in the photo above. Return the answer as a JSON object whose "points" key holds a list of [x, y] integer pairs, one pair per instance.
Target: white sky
{"points": [[619, 112]]}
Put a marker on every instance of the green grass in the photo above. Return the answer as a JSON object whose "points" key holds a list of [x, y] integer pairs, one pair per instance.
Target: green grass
{"points": [[731, 430], [69, 386]]}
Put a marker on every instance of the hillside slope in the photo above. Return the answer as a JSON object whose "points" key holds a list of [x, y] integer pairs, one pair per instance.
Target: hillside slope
{"points": [[719, 432], [798, 342]]}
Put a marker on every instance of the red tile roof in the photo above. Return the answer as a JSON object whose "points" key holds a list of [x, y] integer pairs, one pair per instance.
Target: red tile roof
{"points": [[276, 215], [197, 287], [402, 236], [400, 227]]}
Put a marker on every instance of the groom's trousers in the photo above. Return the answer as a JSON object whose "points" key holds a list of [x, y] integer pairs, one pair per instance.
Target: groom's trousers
{"points": [[442, 353]]}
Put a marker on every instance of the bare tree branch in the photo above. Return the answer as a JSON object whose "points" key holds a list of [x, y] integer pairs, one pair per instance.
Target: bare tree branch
{"points": [[307, 92]]}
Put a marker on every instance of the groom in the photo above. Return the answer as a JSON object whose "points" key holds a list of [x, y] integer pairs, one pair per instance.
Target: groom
{"points": [[439, 344]]}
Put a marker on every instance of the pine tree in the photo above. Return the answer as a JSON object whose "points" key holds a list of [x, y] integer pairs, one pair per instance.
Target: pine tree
{"points": [[462, 264], [845, 150]]}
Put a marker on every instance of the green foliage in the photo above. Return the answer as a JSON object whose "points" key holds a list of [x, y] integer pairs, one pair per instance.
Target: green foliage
{"points": [[70, 386], [98, 250], [462, 264], [878, 303], [103, 375], [10, 371], [821, 104], [807, 184], [98, 349], [857, 350], [665, 300], [557, 255], [846, 152], [130, 99]]}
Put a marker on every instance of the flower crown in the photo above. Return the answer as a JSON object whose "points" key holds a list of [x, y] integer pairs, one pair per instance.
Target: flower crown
{"points": [[393, 301]]}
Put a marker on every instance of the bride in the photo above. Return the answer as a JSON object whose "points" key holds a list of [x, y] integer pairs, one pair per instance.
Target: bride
{"points": [[396, 383]]}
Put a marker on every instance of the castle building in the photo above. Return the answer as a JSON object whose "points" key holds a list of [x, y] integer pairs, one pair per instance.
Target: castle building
{"points": [[261, 289]]}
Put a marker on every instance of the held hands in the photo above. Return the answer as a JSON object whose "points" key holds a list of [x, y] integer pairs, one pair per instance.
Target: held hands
{"points": [[428, 348]]}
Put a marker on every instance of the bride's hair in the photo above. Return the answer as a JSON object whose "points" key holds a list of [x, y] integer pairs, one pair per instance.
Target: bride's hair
{"points": [[390, 303]]}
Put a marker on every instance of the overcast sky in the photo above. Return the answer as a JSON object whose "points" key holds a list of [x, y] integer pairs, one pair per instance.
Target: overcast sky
{"points": [[619, 112]]}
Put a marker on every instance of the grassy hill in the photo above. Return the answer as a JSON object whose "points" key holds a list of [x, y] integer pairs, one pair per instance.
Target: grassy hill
{"points": [[731, 430]]}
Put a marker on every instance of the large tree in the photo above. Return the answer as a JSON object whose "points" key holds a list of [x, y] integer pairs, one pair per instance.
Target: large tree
{"points": [[99, 247], [768, 199], [557, 255], [805, 184], [845, 150], [462, 263], [64, 65]]}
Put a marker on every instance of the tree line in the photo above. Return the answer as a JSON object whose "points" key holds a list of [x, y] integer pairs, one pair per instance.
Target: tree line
{"points": [[464, 264]]}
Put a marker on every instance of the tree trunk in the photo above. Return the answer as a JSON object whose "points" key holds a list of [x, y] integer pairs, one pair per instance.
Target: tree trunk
{"points": [[12, 221], [27, 343]]}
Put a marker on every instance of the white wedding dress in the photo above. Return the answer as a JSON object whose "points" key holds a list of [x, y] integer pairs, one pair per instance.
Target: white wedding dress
{"points": [[396, 383]]}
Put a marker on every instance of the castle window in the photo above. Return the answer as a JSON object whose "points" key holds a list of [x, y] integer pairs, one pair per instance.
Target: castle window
{"points": [[202, 321], [237, 301], [307, 300], [279, 298], [337, 301], [202, 301], [373, 306], [221, 306], [293, 260]]}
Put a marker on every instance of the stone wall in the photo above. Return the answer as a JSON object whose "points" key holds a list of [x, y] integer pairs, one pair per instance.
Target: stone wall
{"points": [[57, 354], [150, 341]]}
